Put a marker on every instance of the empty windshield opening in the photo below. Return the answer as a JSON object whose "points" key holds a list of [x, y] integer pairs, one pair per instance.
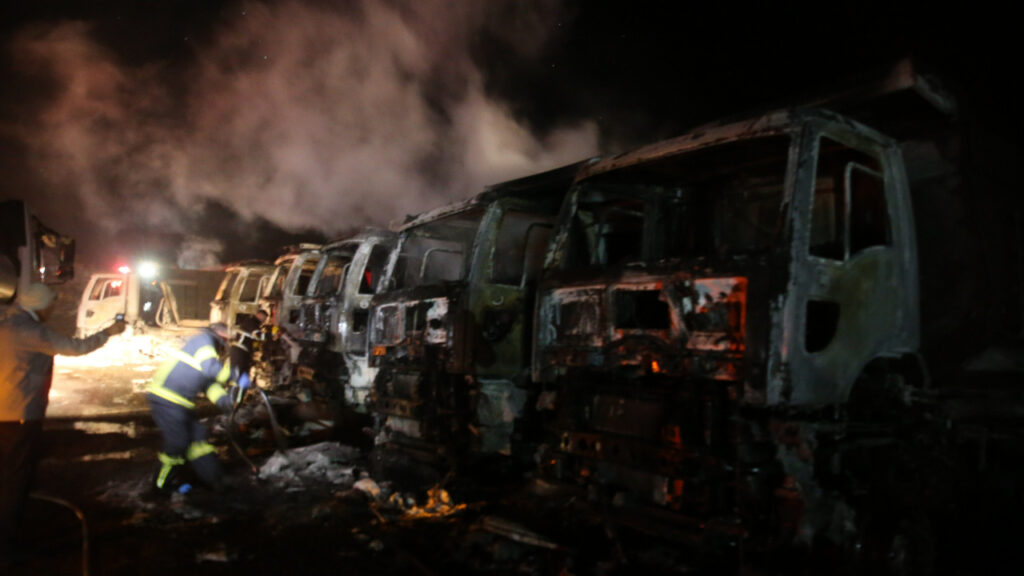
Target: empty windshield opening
{"points": [[436, 252], [277, 285], [375, 264], [305, 275], [332, 274], [225, 287], [251, 288], [717, 201], [522, 240]]}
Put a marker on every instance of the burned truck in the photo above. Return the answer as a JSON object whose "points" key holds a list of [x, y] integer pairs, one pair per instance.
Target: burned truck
{"points": [[30, 251], [282, 295], [335, 319], [238, 294], [751, 334], [450, 326]]}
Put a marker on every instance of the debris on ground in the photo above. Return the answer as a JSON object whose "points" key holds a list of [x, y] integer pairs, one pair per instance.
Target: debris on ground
{"points": [[324, 462], [128, 494], [369, 487], [315, 427], [218, 553]]}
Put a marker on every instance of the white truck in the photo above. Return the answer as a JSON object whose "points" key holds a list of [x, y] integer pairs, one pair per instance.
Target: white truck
{"points": [[171, 297]]}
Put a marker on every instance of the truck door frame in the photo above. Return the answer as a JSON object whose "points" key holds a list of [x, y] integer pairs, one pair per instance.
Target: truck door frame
{"points": [[841, 313]]}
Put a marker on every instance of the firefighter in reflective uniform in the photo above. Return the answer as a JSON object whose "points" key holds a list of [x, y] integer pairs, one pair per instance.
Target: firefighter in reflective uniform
{"points": [[172, 393]]}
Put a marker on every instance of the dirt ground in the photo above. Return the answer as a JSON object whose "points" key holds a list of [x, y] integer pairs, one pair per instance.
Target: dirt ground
{"points": [[255, 527], [311, 506]]}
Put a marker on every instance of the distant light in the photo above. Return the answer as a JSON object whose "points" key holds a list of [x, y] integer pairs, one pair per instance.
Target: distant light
{"points": [[124, 269], [42, 270], [147, 269], [115, 284]]}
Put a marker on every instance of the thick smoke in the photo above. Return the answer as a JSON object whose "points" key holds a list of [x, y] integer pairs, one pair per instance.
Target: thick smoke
{"points": [[197, 253], [307, 115]]}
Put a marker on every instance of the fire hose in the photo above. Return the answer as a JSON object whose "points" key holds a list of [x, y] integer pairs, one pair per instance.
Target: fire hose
{"points": [[231, 432], [279, 438], [81, 518]]}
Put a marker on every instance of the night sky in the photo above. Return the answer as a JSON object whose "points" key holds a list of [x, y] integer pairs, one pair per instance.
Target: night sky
{"points": [[155, 127]]}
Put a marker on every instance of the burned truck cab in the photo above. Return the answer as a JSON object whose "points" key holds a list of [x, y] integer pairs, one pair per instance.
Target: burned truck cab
{"points": [[335, 316], [698, 286], [30, 251], [282, 295], [450, 327], [239, 292]]}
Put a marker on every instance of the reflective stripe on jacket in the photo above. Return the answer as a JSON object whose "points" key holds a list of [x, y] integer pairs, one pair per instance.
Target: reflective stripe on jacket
{"points": [[193, 369]]}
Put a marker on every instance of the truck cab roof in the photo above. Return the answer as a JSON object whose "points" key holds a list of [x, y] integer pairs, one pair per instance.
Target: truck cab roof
{"points": [[773, 123]]}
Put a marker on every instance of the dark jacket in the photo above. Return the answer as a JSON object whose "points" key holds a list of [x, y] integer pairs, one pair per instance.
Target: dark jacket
{"points": [[27, 347], [195, 368]]}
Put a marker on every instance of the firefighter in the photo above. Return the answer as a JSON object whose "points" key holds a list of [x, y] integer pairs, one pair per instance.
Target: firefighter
{"points": [[195, 368]]}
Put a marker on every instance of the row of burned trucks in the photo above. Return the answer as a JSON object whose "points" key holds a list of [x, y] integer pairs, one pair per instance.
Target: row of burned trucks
{"points": [[719, 337]]}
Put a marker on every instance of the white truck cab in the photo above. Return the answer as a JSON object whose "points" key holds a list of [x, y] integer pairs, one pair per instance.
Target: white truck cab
{"points": [[174, 297]]}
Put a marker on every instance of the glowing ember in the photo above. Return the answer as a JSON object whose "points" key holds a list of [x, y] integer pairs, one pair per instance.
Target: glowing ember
{"points": [[438, 505]]}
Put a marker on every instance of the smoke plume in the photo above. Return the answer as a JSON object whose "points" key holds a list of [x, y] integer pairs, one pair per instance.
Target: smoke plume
{"points": [[197, 253], [302, 113]]}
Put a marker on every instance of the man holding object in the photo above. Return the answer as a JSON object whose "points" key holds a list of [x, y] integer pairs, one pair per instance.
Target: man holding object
{"points": [[27, 348]]}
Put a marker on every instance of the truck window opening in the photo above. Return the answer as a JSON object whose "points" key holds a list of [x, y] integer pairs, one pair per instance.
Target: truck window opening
{"points": [[849, 194], [714, 202]]}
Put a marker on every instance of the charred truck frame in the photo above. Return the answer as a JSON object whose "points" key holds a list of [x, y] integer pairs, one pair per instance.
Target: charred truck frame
{"points": [[450, 327], [30, 251], [286, 287], [239, 291], [336, 315], [281, 297], [734, 328]]}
